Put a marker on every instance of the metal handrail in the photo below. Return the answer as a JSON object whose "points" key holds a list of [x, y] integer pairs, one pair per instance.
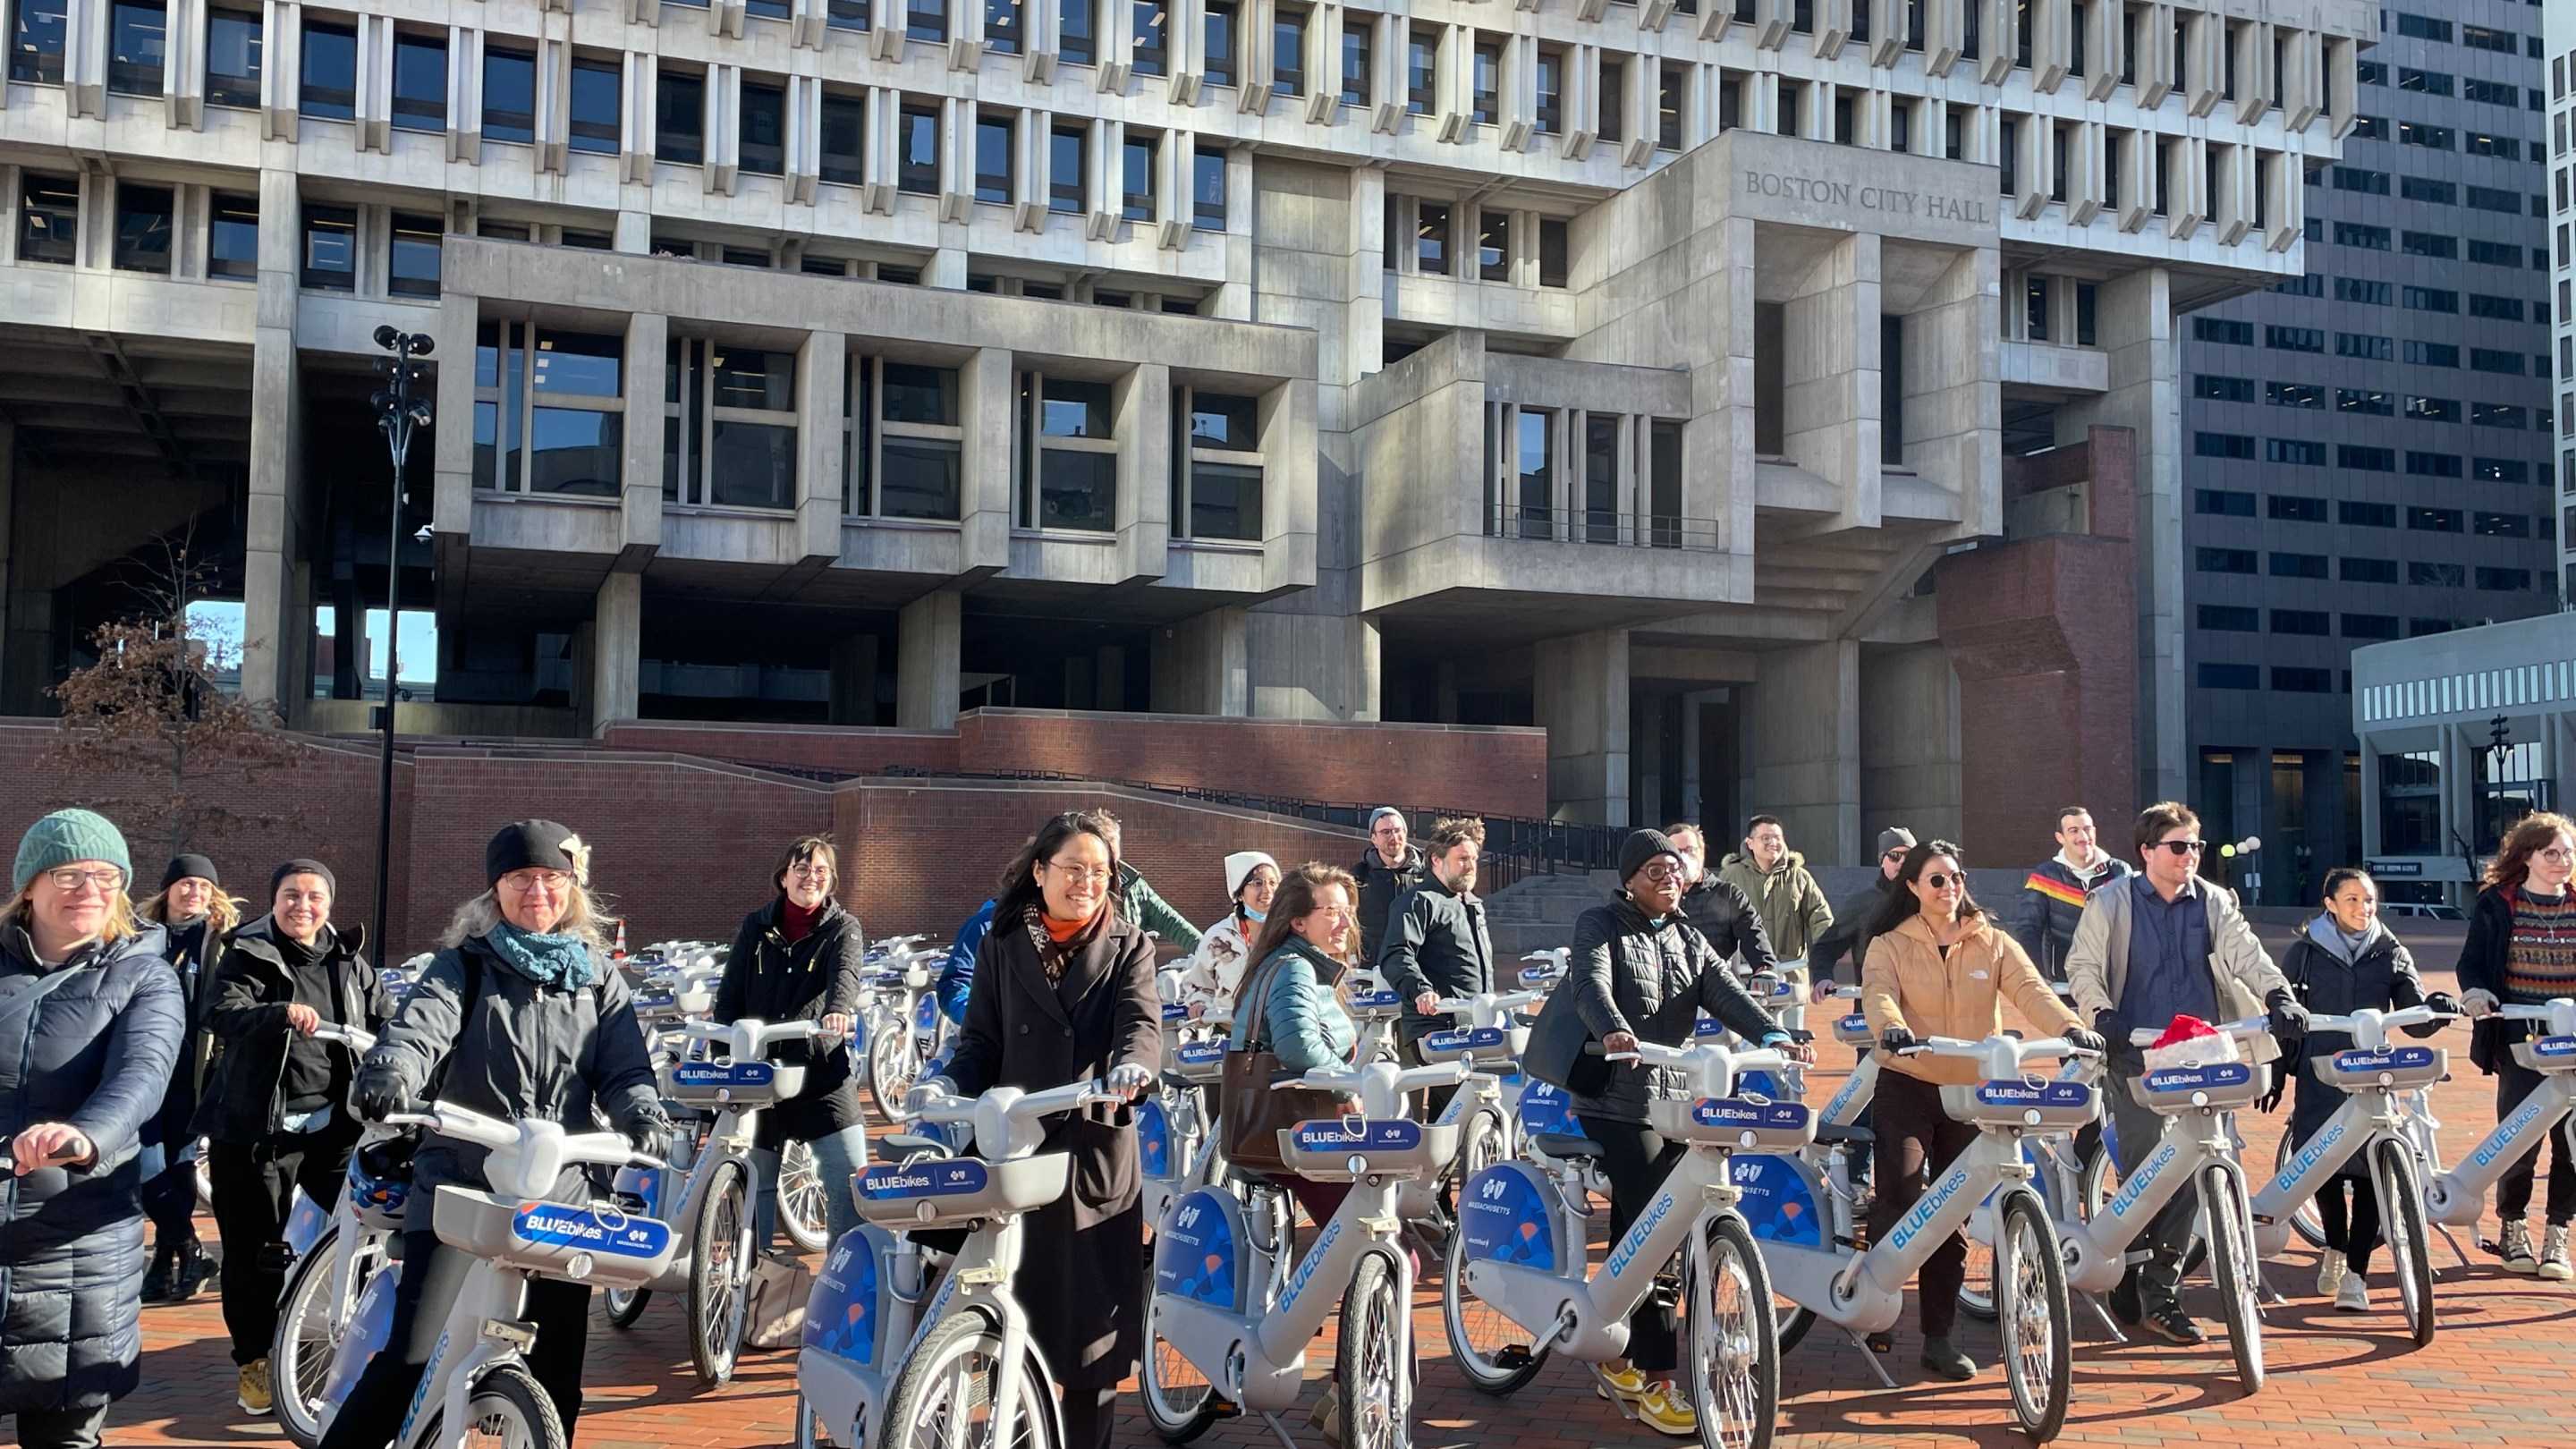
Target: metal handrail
{"points": [[1506, 519]]}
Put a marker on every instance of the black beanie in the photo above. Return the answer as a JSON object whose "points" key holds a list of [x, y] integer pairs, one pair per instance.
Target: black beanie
{"points": [[1640, 847], [184, 866], [535, 844], [301, 866]]}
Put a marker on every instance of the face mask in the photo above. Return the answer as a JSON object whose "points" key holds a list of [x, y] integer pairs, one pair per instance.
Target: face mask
{"points": [[1256, 917]]}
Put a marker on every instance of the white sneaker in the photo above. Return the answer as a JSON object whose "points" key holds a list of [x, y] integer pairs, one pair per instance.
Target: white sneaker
{"points": [[2330, 1266], [2353, 1296]]}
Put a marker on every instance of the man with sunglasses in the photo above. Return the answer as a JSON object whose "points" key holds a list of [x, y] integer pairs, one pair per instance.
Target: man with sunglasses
{"points": [[2165, 944], [1849, 935], [2052, 899]]}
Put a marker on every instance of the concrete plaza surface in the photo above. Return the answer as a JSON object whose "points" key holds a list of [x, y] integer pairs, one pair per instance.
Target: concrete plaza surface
{"points": [[2498, 1371]]}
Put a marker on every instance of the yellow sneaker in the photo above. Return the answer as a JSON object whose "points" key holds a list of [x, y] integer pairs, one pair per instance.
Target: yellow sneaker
{"points": [[1625, 1384], [1665, 1411], [254, 1396]]}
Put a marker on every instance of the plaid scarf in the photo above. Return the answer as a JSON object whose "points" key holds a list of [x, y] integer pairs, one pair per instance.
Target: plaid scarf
{"points": [[1053, 958]]}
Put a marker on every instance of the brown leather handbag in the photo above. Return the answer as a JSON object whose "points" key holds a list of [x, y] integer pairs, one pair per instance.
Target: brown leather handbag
{"points": [[1254, 1114]]}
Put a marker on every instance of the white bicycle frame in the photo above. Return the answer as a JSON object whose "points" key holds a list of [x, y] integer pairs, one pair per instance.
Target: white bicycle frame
{"points": [[2370, 1114], [730, 1138], [2097, 1251], [1195, 1153], [1258, 1358], [2459, 1196], [486, 1326]]}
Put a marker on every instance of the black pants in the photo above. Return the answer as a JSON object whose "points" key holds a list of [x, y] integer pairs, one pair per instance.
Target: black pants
{"points": [[2514, 1082], [1637, 1159], [61, 1428], [2168, 1238], [1917, 1139], [2356, 1237], [1435, 1100], [1089, 1416], [432, 1275], [255, 1187]]}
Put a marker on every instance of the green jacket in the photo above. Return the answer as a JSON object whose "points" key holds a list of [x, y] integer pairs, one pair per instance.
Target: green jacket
{"points": [[1138, 903], [1301, 1022], [1790, 903]]}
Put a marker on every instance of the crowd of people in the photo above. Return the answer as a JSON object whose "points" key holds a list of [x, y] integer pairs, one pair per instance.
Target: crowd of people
{"points": [[132, 1032]]}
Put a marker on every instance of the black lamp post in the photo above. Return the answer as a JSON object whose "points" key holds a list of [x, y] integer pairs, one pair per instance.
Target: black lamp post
{"points": [[399, 409]]}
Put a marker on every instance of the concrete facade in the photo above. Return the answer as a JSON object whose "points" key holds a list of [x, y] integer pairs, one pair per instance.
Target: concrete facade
{"points": [[1620, 369], [2558, 39], [2367, 447]]}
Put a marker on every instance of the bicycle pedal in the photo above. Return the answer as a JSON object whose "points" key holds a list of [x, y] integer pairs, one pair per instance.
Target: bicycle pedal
{"points": [[1513, 1356]]}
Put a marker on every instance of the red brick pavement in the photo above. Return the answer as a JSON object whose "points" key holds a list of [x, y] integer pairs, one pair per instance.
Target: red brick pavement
{"points": [[2498, 1372]]}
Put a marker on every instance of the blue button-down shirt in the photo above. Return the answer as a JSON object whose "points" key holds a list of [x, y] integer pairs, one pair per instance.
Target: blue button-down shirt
{"points": [[2169, 972]]}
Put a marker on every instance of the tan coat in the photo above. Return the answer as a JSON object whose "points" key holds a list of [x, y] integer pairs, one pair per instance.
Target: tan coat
{"points": [[1907, 983]]}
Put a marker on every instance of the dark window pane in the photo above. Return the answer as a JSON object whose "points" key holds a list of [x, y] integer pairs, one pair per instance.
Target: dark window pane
{"points": [[1552, 247], [993, 161], [420, 83], [763, 146], [844, 139], [581, 364], [747, 377], [1494, 245], [1216, 30], [1221, 421], [921, 479], [1431, 239], [142, 228], [1288, 52], [1355, 66], [413, 268], [331, 248], [596, 103], [1077, 33], [1077, 490], [487, 445], [232, 238], [679, 127], [36, 42], [1207, 190], [1225, 500], [138, 34], [572, 450], [1136, 188], [330, 71], [1002, 33], [233, 58], [1065, 154], [1151, 54], [926, 20], [917, 169], [750, 465], [846, 14], [768, 9], [915, 394], [1073, 409], [509, 96]]}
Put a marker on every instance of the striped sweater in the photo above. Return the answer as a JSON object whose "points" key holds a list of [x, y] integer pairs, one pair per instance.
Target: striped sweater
{"points": [[2540, 962]]}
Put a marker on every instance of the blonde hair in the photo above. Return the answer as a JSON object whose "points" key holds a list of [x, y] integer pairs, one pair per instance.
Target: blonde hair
{"points": [[120, 922], [223, 913], [580, 918]]}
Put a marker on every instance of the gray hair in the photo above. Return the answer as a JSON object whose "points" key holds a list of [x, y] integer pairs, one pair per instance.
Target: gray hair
{"points": [[483, 912]]}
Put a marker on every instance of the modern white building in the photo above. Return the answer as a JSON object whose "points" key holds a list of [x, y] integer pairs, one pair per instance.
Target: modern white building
{"points": [[2558, 37], [1618, 368]]}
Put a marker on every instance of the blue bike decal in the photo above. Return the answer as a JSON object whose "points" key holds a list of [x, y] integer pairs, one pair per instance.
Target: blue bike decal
{"points": [[2386, 1059], [1503, 1217], [1200, 1053], [368, 1329], [1153, 1140], [645, 1187], [1545, 1108], [841, 1318], [707, 1076], [1779, 1204], [305, 1225], [2006, 1093], [925, 1017], [2553, 1048], [1737, 1112], [1358, 1134], [1375, 1001], [953, 1177], [560, 1225], [1466, 1039], [1196, 1251], [2187, 1079], [657, 1001], [1176, 1011]]}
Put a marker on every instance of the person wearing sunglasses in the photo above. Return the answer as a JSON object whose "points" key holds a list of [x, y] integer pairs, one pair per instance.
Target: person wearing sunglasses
{"points": [[2052, 899], [802, 957], [1938, 965], [1640, 972], [2521, 949], [1849, 935], [2168, 944]]}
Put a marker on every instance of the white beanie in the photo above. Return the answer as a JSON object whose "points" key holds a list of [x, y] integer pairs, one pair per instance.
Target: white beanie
{"points": [[1239, 867]]}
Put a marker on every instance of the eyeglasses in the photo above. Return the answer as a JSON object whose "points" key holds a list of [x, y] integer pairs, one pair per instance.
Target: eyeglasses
{"points": [[2556, 852], [1078, 874], [72, 880], [2181, 847], [1662, 871], [524, 882], [816, 871], [1896, 854], [1941, 882]]}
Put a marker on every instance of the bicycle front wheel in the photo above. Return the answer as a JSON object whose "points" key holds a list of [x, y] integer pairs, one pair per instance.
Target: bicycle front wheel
{"points": [[506, 1411], [1180, 1403], [1734, 1340], [1373, 1365], [943, 1397], [721, 1254], [2034, 1315], [2401, 1222], [2233, 1264], [802, 1208], [1493, 1353], [309, 1329]]}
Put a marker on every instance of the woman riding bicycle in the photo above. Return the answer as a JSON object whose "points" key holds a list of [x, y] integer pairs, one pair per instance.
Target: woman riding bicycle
{"points": [[802, 957], [517, 1017], [2521, 951], [1215, 970], [1938, 965], [1640, 971]]}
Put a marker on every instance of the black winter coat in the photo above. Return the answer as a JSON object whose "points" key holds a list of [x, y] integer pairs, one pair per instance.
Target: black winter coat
{"points": [[1435, 941], [194, 949], [525, 1051], [1380, 888], [1849, 935], [1082, 1272], [1724, 914], [1648, 978], [96, 1052], [246, 1012], [768, 978], [2383, 979]]}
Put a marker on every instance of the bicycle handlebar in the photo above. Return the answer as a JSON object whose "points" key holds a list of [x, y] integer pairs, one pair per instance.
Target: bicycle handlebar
{"points": [[2243, 1030], [1408, 1079], [348, 1036], [1072, 1096], [1496, 1002], [1999, 1056], [1750, 1059], [607, 1149], [752, 1036]]}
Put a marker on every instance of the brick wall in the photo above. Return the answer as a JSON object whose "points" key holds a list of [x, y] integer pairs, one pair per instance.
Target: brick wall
{"points": [[840, 750], [925, 853]]}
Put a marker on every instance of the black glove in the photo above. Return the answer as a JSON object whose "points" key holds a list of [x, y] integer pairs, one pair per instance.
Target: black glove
{"points": [[1896, 1039], [2289, 1018], [2083, 1040], [2270, 1101], [378, 1095], [650, 1136], [2441, 1001]]}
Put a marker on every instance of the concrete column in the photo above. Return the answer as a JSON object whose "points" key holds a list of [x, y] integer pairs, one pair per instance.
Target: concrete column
{"points": [[617, 651], [1142, 403], [819, 376], [1201, 665], [1830, 345], [648, 341], [273, 624], [1581, 698], [1950, 425], [854, 680], [926, 662], [2133, 318], [1805, 743], [985, 397], [1363, 329], [1909, 742]]}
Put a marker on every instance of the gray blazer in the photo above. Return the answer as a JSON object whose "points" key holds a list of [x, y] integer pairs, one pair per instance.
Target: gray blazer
{"points": [[2097, 961]]}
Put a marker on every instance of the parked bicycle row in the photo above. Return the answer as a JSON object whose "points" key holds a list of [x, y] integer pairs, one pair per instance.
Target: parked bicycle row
{"points": [[1098, 1166]]}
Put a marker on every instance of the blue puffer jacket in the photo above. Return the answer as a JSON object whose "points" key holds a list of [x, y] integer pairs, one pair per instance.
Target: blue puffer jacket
{"points": [[96, 1051]]}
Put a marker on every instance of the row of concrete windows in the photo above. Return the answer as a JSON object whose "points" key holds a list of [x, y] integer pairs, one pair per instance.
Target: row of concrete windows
{"points": [[2419, 573], [2364, 402], [2359, 457], [2369, 347], [148, 230], [2309, 623], [2357, 513]]}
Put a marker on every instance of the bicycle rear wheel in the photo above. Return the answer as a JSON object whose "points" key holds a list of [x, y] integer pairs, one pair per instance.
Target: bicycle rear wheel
{"points": [[2238, 1273], [2401, 1222], [943, 1396], [802, 1208], [1733, 1339], [1180, 1403], [1493, 1353], [721, 1254], [2036, 1320]]}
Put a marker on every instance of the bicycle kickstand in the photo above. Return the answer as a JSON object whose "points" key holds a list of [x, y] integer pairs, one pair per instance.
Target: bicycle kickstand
{"points": [[2457, 1251], [1867, 1357], [1278, 1428], [2264, 1293], [2110, 1325], [1627, 1410]]}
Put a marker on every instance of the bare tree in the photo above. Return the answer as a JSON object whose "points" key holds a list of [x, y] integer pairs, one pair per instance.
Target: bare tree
{"points": [[148, 734]]}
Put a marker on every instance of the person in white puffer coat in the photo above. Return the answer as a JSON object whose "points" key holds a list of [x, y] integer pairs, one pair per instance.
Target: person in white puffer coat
{"points": [[1215, 971]]}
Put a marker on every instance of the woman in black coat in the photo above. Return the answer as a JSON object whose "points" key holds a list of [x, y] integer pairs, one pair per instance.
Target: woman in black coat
{"points": [[802, 958], [1064, 992], [90, 1021], [193, 910], [2346, 961]]}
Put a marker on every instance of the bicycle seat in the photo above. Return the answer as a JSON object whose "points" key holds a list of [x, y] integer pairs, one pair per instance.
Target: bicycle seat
{"points": [[1853, 1135], [900, 1145], [1565, 1145]]}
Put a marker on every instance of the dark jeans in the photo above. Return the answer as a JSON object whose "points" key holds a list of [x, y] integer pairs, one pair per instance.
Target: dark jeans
{"points": [[2168, 1238], [2514, 1082], [1089, 1416], [170, 1191], [254, 1192], [61, 1428], [2353, 1239], [432, 1275], [1916, 1140], [1637, 1159]]}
